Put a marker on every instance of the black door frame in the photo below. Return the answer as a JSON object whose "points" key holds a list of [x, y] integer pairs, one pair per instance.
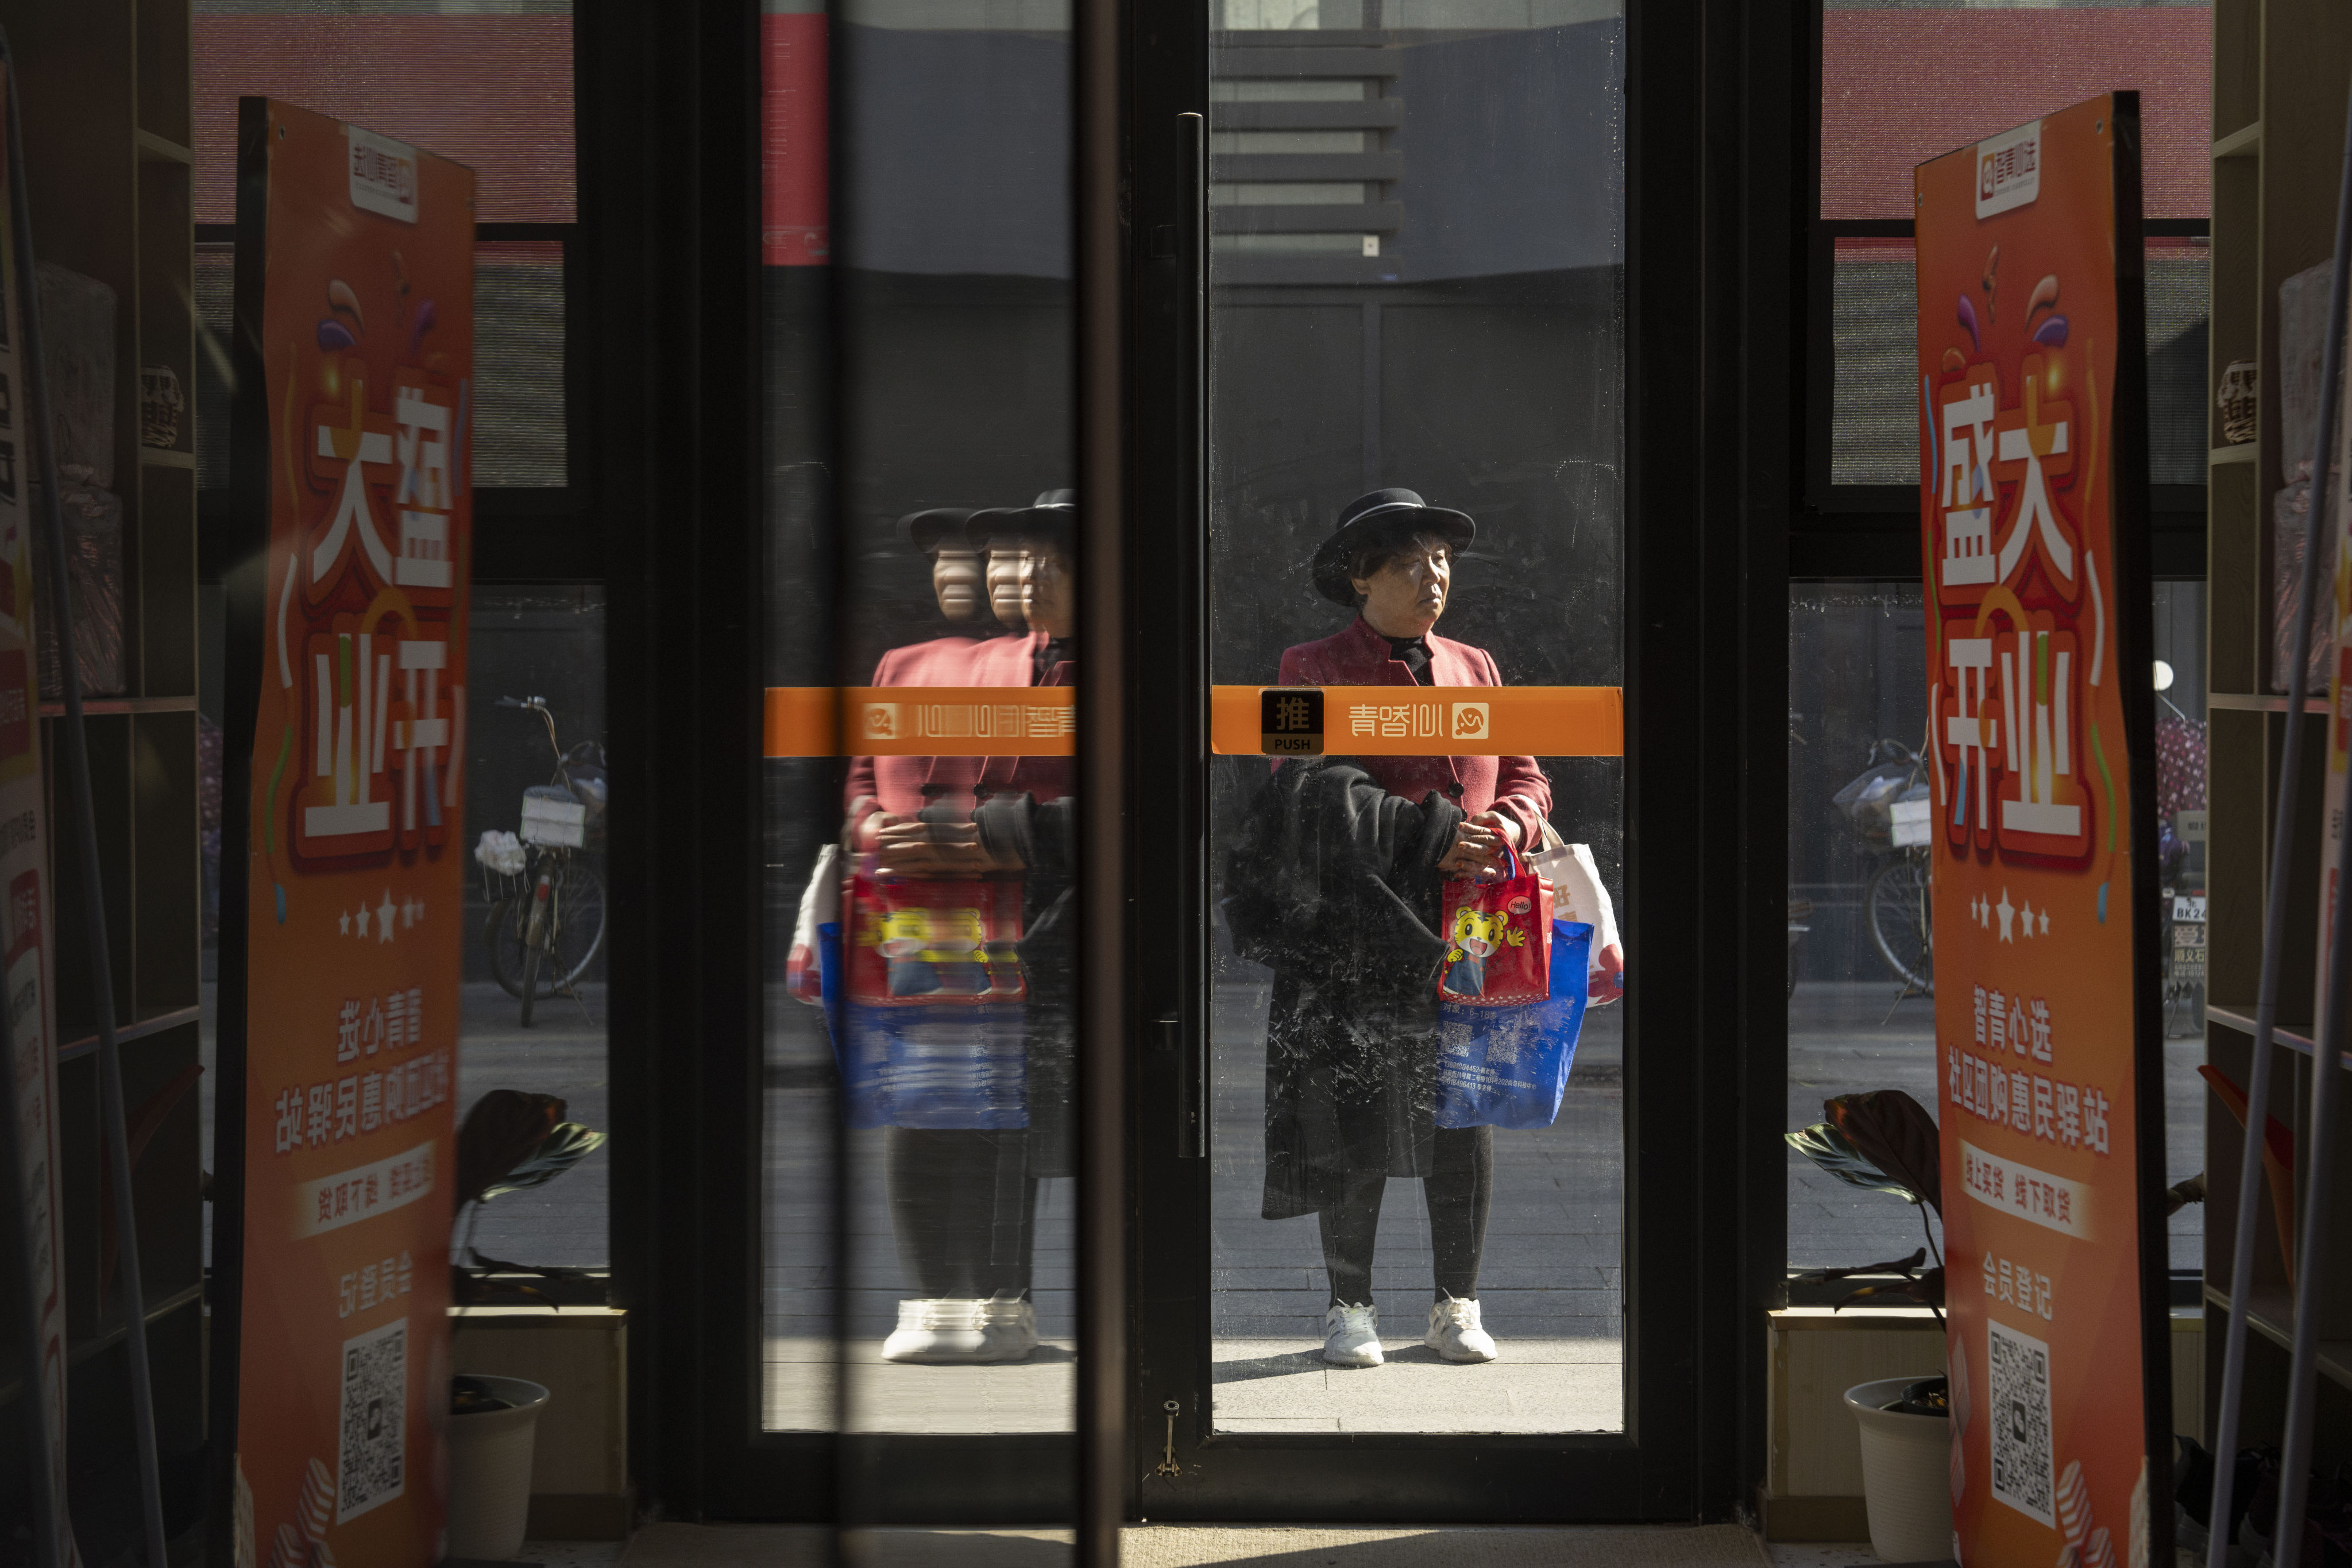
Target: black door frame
{"points": [[669, 459], [1716, 136]]}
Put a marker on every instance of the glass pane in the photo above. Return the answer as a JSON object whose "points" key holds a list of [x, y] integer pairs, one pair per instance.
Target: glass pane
{"points": [[521, 427], [2180, 745], [543, 643], [941, 557], [1859, 1018], [1877, 126], [486, 84], [1461, 342], [519, 363], [1874, 430]]}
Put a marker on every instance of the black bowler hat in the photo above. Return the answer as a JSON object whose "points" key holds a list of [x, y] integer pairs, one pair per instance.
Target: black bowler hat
{"points": [[1052, 519], [1378, 517], [927, 530]]}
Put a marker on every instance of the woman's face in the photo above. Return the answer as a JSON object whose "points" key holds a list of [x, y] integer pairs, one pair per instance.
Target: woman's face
{"points": [[1404, 597], [1005, 566], [1049, 593], [956, 579]]}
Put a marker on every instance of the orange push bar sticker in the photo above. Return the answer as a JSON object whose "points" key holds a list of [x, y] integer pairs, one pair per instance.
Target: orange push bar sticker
{"points": [[922, 722], [1245, 721], [1422, 720], [1418, 721]]}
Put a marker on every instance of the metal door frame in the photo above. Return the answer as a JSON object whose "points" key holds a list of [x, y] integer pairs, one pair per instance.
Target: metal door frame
{"points": [[1717, 136], [668, 451]]}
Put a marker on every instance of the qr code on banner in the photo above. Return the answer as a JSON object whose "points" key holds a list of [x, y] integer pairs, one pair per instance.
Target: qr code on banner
{"points": [[371, 1467], [2022, 1472]]}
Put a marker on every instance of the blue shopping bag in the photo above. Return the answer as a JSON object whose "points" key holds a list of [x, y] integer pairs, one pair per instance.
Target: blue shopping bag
{"points": [[1508, 1067], [961, 1065]]}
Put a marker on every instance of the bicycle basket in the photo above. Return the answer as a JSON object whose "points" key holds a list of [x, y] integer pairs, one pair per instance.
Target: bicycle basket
{"points": [[551, 816], [1868, 802], [504, 861]]}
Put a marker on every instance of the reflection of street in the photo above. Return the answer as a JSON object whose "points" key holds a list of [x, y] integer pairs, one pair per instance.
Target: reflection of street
{"points": [[1845, 1037], [1549, 1287]]}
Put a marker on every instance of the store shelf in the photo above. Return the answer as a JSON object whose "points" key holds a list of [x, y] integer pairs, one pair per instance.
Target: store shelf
{"points": [[2246, 141], [81, 1350], [165, 457], [2244, 452], [2244, 1023], [126, 1033], [2265, 702], [95, 706], [2273, 1316]]}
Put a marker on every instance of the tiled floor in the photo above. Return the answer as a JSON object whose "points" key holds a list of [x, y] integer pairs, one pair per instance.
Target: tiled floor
{"points": [[1205, 1546], [761, 1548]]}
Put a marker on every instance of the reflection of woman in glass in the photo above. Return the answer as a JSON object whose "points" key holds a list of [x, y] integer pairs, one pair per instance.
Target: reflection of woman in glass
{"points": [[1351, 1041], [964, 1197]]}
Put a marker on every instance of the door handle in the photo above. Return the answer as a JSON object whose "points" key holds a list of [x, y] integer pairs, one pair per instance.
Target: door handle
{"points": [[1191, 1093], [1188, 1048]]}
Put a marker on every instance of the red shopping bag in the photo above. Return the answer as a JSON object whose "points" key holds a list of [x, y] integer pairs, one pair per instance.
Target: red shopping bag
{"points": [[1497, 940]]}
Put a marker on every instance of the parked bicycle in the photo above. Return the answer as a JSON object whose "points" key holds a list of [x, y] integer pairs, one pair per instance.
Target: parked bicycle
{"points": [[1887, 807], [546, 923]]}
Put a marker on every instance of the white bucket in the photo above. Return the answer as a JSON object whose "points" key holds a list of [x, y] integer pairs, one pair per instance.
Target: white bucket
{"points": [[490, 1471], [1907, 1474]]}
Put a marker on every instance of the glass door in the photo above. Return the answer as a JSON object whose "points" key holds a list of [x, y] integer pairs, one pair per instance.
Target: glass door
{"points": [[1386, 1173]]}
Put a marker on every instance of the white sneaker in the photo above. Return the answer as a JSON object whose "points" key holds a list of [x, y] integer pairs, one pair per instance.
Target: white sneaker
{"points": [[1351, 1336], [939, 1331], [1454, 1331], [1011, 1325]]}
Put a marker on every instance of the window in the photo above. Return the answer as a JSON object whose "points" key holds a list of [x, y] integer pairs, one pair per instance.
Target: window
{"points": [[490, 86], [1858, 1015]]}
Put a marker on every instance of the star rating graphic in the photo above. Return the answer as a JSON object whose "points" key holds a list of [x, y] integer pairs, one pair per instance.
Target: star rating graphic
{"points": [[379, 918], [2019, 922]]}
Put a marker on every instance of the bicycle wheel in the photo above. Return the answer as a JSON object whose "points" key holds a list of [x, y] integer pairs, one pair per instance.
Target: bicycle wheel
{"points": [[530, 968], [502, 934], [1896, 903], [575, 926]]}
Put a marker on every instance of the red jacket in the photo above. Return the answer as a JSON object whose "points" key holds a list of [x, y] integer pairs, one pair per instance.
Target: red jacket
{"points": [[1513, 787], [895, 784]]}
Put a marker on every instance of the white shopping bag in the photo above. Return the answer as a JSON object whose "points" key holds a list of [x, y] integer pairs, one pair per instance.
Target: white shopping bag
{"points": [[1578, 895], [820, 905]]}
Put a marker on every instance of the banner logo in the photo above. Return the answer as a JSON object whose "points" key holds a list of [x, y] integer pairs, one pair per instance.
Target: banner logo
{"points": [[383, 175], [2008, 170]]}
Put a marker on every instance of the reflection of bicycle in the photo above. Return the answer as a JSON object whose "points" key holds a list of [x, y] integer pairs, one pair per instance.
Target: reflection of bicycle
{"points": [[1887, 808], [542, 939]]}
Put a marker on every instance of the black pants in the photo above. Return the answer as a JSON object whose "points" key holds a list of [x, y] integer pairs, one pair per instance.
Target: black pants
{"points": [[1459, 1189], [963, 1207]]}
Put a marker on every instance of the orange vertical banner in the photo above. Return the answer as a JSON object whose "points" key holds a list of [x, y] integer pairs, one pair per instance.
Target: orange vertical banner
{"points": [[355, 295], [2032, 453]]}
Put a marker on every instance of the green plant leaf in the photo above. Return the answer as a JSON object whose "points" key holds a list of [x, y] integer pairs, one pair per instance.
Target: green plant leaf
{"points": [[502, 1130], [561, 1150], [1835, 1152], [1894, 1132]]}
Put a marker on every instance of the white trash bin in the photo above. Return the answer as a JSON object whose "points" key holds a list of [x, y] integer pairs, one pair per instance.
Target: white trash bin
{"points": [[1906, 1471], [490, 1471]]}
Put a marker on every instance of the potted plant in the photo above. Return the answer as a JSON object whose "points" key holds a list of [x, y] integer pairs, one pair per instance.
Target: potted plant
{"points": [[1886, 1141], [510, 1141]]}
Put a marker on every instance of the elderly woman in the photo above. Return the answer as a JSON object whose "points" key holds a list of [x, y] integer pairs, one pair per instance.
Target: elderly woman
{"points": [[963, 1199], [1351, 857]]}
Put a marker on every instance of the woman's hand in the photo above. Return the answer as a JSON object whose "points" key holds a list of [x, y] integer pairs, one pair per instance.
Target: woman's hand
{"points": [[1477, 852], [910, 847], [1609, 984]]}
